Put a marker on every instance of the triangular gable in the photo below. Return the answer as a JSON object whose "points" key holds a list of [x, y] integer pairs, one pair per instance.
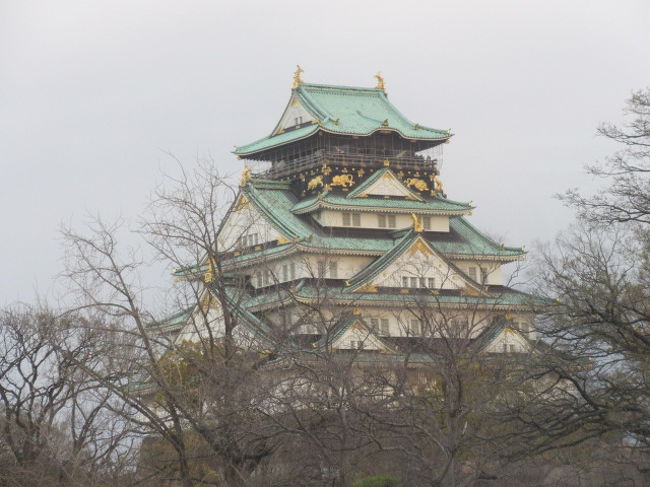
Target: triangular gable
{"points": [[353, 334], [505, 340], [244, 219], [412, 257], [206, 322], [251, 213], [295, 114], [384, 183]]}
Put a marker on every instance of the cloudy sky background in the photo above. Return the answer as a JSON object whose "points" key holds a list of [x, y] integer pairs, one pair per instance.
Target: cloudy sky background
{"points": [[93, 95]]}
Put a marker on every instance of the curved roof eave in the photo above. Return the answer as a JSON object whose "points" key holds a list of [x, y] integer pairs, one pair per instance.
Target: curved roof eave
{"points": [[320, 127]]}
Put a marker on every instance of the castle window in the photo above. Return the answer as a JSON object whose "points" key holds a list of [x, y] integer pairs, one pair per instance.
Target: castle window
{"points": [[383, 327], [392, 222], [426, 222], [379, 325], [285, 272], [248, 240], [346, 219], [298, 120], [419, 282], [472, 273], [358, 344], [356, 219], [381, 221], [334, 269], [415, 328], [322, 267], [484, 275], [292, 270]]}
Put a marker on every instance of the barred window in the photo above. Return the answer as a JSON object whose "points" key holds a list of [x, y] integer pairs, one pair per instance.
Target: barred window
{"points": [[472, 273], [426, 222], [384, 328], [416, 327], [484, 275]]}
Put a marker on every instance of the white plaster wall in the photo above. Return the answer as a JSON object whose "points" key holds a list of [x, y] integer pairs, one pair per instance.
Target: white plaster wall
{"points": [[470, 324], [245, 220], [293, 111], [420, 266], [509, 338], [306, 266], [332, 218], [211, 327], [387, 186], [493, 269]]}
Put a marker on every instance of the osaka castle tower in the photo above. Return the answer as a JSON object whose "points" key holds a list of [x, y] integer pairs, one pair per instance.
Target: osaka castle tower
{"points": [[342, 236]]}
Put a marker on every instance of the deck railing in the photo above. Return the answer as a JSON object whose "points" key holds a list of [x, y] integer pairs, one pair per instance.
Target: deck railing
{"points": [[404, 160]]}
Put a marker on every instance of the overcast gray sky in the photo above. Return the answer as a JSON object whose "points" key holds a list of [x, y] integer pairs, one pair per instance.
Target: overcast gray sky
{"points": [[93, 94]]}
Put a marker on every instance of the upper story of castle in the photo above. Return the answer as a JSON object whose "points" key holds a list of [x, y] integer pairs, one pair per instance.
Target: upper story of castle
{"points": [[332, 136]]}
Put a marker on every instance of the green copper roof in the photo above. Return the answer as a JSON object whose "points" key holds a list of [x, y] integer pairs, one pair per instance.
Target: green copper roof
{"points": [[277, 205], [277, 140], [469, 241], [498, 296], [172, 321], [370, 271], [346, 110], [440, 206]]}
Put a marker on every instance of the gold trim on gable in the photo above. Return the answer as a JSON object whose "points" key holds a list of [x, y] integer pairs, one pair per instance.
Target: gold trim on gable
{"points": [[470, 291], [242, 203], [367, 288], [420, 246]]}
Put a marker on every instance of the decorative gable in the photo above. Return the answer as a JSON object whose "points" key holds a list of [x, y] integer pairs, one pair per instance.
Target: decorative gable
{"points": [[384, 183], [358, 336], [508, 340], [419, 266], [412, 263], [246, 226], [294, 115]]}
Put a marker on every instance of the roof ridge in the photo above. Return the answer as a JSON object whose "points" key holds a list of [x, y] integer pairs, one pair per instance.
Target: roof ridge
{"points": [[341, 87], [250, 191], [372, 269], [463, 221]]}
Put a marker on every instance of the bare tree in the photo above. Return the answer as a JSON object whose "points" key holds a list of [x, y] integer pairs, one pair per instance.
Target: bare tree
{"points": [[627, 195], [592, 376], [59, 425], [205, 384]]}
